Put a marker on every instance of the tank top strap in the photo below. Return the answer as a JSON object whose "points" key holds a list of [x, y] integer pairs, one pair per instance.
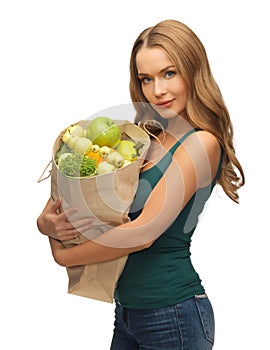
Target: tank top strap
{"points": [[219, 165], [182, 139]]}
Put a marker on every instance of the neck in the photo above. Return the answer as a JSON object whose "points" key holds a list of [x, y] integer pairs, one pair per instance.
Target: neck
{"points": [[177, 126]]}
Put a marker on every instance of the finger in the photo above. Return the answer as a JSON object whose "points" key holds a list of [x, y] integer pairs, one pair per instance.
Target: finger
{"points": [[73, 232], [65, 215], [83, 229], [82, 222], [73, 229], [56, 205], [69, 236]]}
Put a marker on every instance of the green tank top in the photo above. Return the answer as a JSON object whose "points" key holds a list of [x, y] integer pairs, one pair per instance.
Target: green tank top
{"points": [[163, 274]]}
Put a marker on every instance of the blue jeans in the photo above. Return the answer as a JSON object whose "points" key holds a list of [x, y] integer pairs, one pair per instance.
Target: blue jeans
{"points": [[188, 325]]}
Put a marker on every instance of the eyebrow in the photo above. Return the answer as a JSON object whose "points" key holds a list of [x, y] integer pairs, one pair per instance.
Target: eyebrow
{"points": [[162, 70]]}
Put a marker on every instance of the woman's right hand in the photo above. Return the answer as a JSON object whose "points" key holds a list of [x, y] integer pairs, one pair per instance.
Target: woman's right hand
{"points": [[54, 224]]}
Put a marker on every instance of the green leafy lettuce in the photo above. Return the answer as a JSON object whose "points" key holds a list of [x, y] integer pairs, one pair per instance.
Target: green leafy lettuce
{"points": [[77, 165]]}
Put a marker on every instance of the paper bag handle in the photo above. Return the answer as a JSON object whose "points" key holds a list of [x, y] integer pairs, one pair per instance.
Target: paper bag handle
{"points": [[154, 136], [42, 178]]}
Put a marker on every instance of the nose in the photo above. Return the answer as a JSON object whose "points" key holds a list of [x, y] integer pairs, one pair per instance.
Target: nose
{"points": [[159, 88]]}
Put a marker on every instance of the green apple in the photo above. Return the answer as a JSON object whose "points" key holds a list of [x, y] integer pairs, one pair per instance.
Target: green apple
{"points": [[103, 131]]}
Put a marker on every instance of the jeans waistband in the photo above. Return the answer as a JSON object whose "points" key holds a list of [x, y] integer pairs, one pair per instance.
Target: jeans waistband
{"points": [[197, 296]]}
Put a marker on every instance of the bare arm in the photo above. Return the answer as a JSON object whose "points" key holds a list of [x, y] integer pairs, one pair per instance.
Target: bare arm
{"points": [[194, 165]]}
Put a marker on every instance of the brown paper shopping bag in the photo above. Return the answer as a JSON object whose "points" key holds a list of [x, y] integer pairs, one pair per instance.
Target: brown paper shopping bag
{"points": [[107, 198]]}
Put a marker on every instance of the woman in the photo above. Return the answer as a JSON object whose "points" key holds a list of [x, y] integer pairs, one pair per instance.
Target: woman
{"points": [[160, 300]]}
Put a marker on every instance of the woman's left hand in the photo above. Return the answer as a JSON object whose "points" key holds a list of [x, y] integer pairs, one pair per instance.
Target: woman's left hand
{"points": [[55, 225]]}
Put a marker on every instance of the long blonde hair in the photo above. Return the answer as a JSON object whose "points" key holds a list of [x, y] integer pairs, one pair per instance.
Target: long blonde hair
{"points": [[205, 107]]}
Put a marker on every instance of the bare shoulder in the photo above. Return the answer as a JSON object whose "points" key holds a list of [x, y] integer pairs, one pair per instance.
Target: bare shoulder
{"points": [[213, 150], [206, 139], [209, 141], [207, 136], [203, 151]]}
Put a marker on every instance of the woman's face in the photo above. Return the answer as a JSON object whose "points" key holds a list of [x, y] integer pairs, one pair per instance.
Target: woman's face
{"points": [[162, 85]]}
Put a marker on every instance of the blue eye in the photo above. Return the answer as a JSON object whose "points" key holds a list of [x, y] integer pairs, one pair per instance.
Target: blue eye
{"points": [[146, 80], [170, 74]]}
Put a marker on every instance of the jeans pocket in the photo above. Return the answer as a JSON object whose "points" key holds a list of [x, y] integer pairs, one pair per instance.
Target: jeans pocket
{"points": [[206, 313]]}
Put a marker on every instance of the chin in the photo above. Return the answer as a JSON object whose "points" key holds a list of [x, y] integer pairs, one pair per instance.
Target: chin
{"points": [[166, 113]]}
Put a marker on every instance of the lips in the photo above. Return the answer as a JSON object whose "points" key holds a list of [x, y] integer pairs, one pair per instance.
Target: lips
{"points": [[165, 103]]}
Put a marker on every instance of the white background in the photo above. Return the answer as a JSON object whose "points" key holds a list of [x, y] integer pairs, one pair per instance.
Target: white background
{"points": [[62, 61]]}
